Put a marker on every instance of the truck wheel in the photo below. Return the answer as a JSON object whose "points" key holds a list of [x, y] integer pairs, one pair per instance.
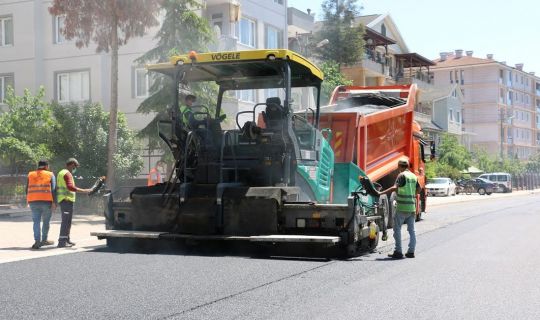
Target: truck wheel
{"points": [[392, 205], [386, 211], [481, 191]]}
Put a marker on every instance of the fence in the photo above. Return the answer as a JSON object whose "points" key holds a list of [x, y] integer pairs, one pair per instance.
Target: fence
{"points": [[526, 181], [13, 193]]}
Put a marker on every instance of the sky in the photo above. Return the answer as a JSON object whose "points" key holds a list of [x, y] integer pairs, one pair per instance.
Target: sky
{"points": [[510, 30]]}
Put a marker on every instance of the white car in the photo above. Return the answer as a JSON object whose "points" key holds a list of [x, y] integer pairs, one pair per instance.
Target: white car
{"points": [[441, 187]]}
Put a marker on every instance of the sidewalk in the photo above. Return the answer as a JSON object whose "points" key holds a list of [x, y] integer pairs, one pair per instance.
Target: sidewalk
{"points": [[437, 201], [17, 236]]}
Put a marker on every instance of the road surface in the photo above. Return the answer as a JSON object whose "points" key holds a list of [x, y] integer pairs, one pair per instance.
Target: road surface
{"points": [[475, 260]]}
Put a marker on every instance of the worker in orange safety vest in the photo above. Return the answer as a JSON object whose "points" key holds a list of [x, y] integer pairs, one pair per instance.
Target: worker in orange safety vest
{"points": [[41, 197], [154, 177]]}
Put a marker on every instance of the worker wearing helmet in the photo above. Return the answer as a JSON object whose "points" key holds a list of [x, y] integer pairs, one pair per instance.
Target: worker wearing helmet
{"points": [[66, 198], [407, 187]]}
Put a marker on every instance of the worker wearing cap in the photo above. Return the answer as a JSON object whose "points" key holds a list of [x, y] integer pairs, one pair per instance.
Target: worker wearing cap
{"points": [[66, 198], [41, 197], [407, 187]]}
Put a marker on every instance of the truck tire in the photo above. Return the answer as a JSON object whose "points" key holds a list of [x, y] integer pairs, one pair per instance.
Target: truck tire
{"points": [[386, 207]]}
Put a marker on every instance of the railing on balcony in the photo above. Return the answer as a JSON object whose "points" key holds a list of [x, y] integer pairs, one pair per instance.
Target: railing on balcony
{"points": [[407, 77], [375, 61]]}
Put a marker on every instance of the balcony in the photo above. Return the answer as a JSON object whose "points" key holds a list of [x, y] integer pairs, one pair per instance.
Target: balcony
{"points": [[414, 76]]}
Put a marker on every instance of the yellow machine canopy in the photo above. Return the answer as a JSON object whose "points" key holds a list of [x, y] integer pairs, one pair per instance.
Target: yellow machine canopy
{"points": [[251, 69]]}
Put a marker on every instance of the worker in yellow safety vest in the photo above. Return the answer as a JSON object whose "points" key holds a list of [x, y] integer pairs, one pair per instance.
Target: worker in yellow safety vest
{"points": [[66, 198], [41, 197], [185, 110], [154, 176], [407, 188]]}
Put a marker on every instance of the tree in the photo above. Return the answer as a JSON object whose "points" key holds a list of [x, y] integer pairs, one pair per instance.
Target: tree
{"points": [[345, 41], [110, 24], [533, 165], [26, 130], [332, 78], [484, 161], [182, 31], [84, 136], [452, 153]]}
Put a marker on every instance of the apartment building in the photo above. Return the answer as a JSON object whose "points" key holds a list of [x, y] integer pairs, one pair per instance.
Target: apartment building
{"points": [[387, 58], [34, 53], [501, 103]]}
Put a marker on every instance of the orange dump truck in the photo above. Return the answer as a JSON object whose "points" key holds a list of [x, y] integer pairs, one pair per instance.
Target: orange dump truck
{"points": [[374, 127]]}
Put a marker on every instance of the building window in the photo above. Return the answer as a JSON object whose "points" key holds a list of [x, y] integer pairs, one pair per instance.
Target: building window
{"points": [[451, 114], [383, 29], [142, 83], [59, 22], [501, 76], [501, 95], [278, 1], [73, 86], [273, 38], [245, 32], [458, 117], [6, 31], [462, 76], [451, 77], [509, 82], [6, 80]]}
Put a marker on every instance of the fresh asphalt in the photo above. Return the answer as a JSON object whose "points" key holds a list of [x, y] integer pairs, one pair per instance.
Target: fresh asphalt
{"points": [[475, 260]]}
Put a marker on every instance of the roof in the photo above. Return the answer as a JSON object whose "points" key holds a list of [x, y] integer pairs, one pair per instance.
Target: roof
{"points": [[365, 20], [453, 61], [428, 125], [411, 60], [436, 93], [377, 38], [253, 68]]}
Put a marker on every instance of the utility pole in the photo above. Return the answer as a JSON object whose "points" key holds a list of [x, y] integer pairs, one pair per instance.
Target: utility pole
{"points": [[502, 131]]}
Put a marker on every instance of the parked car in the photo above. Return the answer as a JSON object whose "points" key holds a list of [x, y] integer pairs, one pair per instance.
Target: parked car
{"points": [[484, 186], [502, 179], [441, 187]]}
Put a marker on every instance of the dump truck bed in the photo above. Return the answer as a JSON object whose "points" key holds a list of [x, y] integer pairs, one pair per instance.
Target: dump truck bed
{"points": [[371, 126]]}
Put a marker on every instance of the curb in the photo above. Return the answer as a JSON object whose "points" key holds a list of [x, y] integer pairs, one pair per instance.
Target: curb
{"points": [[13, 213]]}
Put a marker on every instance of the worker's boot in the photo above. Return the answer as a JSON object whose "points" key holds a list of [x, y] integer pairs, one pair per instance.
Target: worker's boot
{"points": [[396, 255], [409, 254], [63, 244], [47, 243], [70, 242], [36, 245]]}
